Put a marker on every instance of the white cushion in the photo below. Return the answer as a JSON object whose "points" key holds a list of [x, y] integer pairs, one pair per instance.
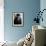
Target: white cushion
{"points": [[20, 42]]}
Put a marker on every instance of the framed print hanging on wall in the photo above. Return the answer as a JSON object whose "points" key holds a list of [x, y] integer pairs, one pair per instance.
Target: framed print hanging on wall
{"points": [[18, 18]]}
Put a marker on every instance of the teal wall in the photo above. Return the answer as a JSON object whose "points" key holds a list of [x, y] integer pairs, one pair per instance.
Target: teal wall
{"points": [[29, 7]]}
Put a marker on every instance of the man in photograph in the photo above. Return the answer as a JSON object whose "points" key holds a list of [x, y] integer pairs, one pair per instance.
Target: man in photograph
{"points": [[17, 19]]}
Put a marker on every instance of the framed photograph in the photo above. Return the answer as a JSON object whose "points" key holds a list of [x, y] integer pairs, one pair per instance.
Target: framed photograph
{"points": [[18, 18]]}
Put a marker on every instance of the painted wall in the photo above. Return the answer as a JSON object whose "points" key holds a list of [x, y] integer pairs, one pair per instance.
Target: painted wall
{"points": [[29, 7], [43, 6], [1, 20]]}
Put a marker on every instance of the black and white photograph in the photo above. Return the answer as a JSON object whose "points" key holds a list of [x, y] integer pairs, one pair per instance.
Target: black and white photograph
{"points": [[18, 18]]}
